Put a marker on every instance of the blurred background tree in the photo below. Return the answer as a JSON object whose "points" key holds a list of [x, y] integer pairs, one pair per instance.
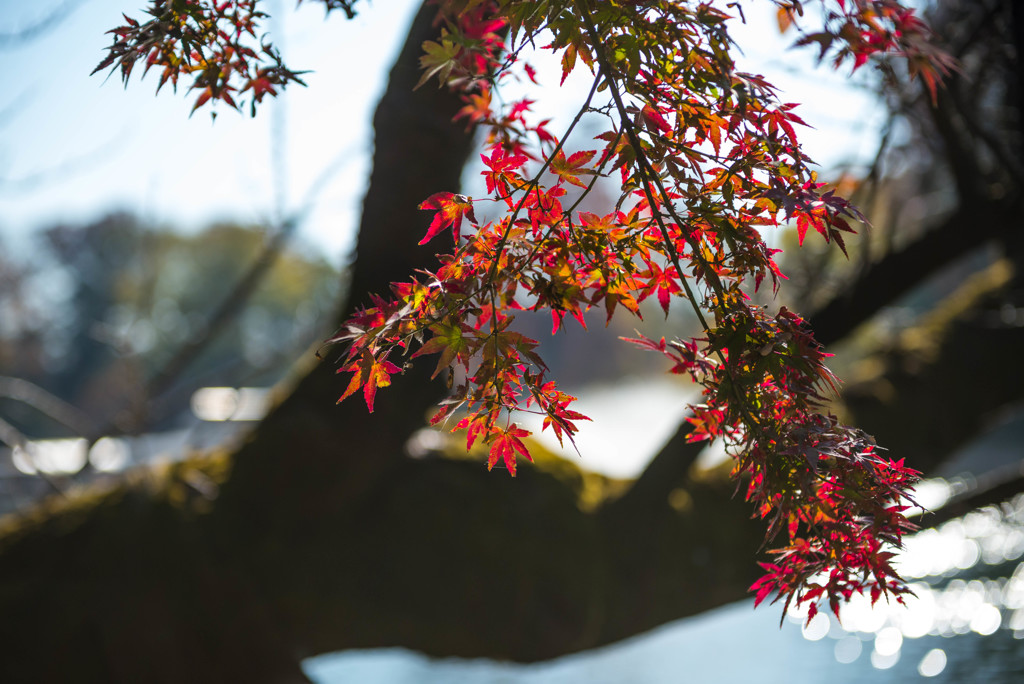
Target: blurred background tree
{"points": [[132, 297]]}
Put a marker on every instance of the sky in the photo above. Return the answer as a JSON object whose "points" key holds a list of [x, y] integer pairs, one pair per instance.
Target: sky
{"points": [[74, 147]]}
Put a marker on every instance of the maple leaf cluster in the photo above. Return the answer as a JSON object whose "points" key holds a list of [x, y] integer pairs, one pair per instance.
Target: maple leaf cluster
{"points": [[212, 43], [707, 158], [860, 29]]}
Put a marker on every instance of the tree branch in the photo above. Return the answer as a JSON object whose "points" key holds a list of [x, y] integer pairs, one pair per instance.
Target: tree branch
{"points": [[51, 406]]}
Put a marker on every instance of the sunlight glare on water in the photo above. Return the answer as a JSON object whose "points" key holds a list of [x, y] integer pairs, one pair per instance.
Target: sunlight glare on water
{"points": [[884, 662], [933, 663], [944, 603], [848, 649], [817, 628], [888, 641]]}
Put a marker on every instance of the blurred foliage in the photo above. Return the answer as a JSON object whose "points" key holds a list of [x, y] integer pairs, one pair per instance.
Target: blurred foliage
{"points": [[100, 308]]}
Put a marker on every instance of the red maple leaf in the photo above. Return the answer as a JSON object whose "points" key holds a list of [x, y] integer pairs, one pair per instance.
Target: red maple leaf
{"points": [[506, 446], [451, 208], [570, 169], [368, 373]]}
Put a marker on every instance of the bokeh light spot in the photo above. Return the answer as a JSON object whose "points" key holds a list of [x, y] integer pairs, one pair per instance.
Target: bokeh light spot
{"points": [[933, 663]]}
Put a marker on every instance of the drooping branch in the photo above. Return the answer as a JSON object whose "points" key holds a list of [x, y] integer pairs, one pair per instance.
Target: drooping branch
{"points": [[879, 286]]}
